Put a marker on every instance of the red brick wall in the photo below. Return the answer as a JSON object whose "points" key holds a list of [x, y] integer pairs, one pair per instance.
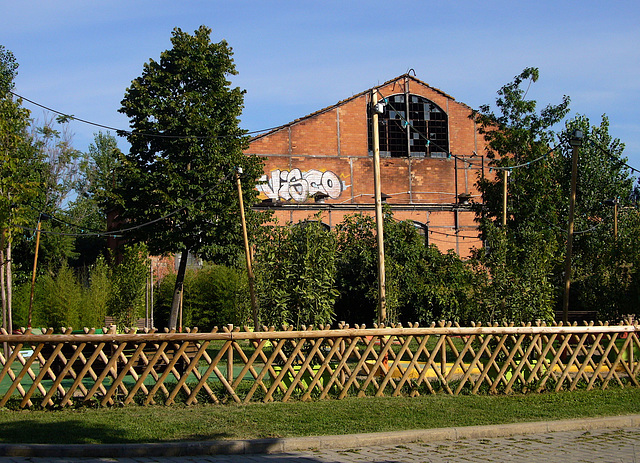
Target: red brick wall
{"points": [[330, 147]]}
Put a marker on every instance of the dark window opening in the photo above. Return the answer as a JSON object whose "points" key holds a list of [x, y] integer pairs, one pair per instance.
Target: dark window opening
{"points": [[423, 231], [424, 133]]}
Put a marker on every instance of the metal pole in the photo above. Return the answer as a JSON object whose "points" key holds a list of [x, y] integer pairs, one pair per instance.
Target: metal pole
{"points": [[247, 253], [382, 303], [575, 141]]}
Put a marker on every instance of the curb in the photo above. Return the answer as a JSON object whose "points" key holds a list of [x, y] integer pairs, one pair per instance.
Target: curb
{"points": [[291, 444]]}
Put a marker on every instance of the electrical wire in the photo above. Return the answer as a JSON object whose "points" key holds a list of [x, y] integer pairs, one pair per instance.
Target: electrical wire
{"points": [[386, 101], [123, 132], [120, 232], [454, 235], [458, 157], [46, 215], [612, 156]]}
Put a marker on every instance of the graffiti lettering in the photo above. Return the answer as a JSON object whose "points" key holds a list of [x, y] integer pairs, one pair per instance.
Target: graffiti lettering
{"points": [[298, 185]]}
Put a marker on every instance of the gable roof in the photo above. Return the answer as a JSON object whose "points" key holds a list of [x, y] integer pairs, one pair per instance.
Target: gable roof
{"points": [[346, 100]]}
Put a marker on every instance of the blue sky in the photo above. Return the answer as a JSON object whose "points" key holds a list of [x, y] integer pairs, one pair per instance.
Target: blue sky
{"points": [[294, 57]]}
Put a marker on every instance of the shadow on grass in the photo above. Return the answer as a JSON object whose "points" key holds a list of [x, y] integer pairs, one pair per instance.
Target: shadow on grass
{"points": [[74, 432], [30, 439]]}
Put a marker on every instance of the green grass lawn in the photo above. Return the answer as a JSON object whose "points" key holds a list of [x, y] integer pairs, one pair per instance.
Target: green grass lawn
{"points": [[133, 424]]}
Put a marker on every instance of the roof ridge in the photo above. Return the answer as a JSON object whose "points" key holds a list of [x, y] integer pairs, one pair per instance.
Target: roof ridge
{"points": [[346, 100]]}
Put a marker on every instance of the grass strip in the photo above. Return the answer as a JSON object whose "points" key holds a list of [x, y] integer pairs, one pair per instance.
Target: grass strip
{"points": [[135, 424]]}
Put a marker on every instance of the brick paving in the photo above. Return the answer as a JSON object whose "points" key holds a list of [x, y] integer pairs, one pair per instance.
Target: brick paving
{"points": [[603, 445]]}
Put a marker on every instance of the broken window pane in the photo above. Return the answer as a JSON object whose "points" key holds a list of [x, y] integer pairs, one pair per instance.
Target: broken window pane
{"points": [[425, 133]]}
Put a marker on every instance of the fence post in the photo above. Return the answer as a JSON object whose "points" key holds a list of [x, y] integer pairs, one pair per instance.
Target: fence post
{"points": [[443, 351], [230, 357], [443, 357]]}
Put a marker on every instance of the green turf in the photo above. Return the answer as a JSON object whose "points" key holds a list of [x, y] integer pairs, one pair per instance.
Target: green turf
{"points": [[133, 424]]}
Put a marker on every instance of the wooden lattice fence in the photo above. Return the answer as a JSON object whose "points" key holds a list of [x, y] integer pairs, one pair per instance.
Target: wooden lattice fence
{"points": [[242, 366]]}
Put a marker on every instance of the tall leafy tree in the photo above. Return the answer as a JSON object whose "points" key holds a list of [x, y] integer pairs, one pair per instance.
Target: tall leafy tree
{"points": [[54, 167], [604, 266], [185, 146], [60, 161], [99, 167], [523, 262], [17, 184], [518, 262], [518, 135], [95, 197]]}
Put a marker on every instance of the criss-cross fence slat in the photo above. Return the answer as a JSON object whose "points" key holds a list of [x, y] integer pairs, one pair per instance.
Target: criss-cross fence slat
{"points": [[242, 366]]}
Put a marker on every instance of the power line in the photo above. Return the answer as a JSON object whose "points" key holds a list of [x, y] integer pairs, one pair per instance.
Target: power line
{"points": [[120, 232], [123, 132], [612, 156], [460, 158]]}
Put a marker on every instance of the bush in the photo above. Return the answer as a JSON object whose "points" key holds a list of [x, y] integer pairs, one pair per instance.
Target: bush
{"points": [[96, 295], [357, 269], [215, 295], [295, 270], [422, 284], [61, 299], [514, 283], [126, 300]]}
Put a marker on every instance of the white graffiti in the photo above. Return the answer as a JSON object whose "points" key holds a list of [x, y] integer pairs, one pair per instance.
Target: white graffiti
{"points": [[297, 185]]}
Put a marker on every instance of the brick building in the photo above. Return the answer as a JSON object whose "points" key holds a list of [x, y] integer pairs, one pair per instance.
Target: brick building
{"points": [[431, 157]]}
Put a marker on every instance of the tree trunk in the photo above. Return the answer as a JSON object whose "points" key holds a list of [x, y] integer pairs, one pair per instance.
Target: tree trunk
{"points": [[175, 305]]}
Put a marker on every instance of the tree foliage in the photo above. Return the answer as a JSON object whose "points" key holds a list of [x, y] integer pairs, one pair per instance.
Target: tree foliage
{"points": [[185, 146], [514, 277], [357, 270], [99, 166], [523, 263], [215, 295], [17, 185], [295, 269], [422, 284], [97, 290], [128, 284]]}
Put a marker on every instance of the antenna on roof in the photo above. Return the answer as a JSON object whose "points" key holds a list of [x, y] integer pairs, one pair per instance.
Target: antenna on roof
{"points": [[410, 71]]}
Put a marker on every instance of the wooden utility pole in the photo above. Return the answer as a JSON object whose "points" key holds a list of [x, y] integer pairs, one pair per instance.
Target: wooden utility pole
{"points": [[33, 277], [151, 297], [575, 141], [615, 218], [505, 175], [247, 253], [382, 303], [5, 289]]}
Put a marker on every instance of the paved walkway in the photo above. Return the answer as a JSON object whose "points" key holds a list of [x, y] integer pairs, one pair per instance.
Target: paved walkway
{"points": [[581, 441]]}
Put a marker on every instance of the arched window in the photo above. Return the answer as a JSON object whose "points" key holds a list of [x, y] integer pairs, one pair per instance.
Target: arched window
{"points": [[424, 133]]}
